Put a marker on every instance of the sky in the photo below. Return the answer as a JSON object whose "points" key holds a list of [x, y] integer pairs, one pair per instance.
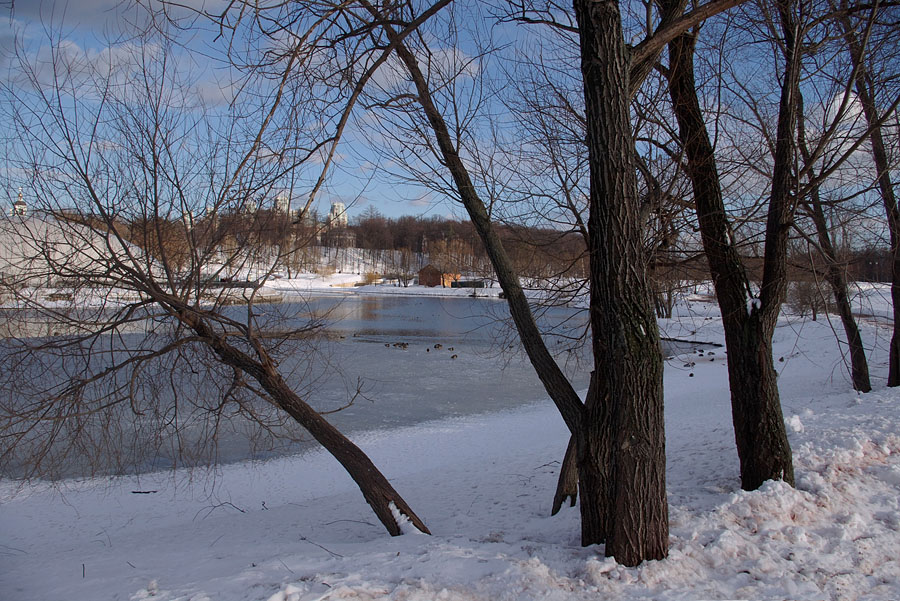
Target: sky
{"points": [[360, 180], [91, 24]]}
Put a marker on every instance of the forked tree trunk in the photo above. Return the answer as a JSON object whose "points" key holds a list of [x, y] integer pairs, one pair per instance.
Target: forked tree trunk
{"points": [[621, 447], [748, 322]]}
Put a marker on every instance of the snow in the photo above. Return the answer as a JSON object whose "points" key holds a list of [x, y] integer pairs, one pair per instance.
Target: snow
{"points": [[297, 529], [753, 304]]}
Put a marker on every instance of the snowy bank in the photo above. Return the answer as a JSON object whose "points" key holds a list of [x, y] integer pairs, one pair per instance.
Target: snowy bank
{"points": [[296, 529]]}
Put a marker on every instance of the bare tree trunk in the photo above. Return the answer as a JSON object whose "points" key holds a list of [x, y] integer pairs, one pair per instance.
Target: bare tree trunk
{"points": [[865, 93], [837, 280], [567, 483], [749, 322], [619, 438], [835, 275], [621, 449], [376, 489]]}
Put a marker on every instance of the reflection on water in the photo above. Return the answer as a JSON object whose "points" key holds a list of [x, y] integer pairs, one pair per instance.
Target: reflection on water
{"points": [[426, 358]]}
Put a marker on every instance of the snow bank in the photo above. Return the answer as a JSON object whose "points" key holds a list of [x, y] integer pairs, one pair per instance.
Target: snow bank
{"points": [[296, 529]]}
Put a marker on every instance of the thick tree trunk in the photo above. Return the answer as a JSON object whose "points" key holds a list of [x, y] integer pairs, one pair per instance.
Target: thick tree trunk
{"points": [[376, 489], [621, 448], [760, 434], [759, 431], [627, 510]]}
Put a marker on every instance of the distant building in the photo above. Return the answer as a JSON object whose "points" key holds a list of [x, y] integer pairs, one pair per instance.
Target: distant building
{"points": [[282, 204], [42, 250], [19, 207], [337, 216], [431, 276]]}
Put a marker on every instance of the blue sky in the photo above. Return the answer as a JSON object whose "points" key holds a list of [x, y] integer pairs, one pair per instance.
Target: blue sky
{"points": [[96, 25]]}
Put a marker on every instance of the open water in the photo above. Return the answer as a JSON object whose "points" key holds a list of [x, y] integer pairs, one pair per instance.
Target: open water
{"points": [[401, 360]]}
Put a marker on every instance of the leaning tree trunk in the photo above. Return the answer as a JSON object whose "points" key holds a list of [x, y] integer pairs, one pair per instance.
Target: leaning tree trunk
{"points": [[378, 492], [760, 434], [621, 448], [837, 281]]}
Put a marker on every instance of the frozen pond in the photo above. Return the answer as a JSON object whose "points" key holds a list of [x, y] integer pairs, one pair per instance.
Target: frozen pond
{"points": [[427, 358], [403, 359]]}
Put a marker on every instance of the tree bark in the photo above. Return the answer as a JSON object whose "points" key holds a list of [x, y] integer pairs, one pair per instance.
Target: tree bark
{"points": [[748, 322], [621, 449], [567, 483], [865, 92]]}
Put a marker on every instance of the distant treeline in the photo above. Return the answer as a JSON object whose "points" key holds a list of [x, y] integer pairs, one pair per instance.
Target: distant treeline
{"points": [[454, 245]]}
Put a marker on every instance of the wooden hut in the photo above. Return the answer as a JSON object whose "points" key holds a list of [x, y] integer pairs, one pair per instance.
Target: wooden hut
{"points": [[431, 276]]}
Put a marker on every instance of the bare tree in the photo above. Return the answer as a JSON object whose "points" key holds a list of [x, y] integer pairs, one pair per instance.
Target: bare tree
{"points": [[749, 319], [618, 429], [857, 29], [147, 350], [835, 270]]}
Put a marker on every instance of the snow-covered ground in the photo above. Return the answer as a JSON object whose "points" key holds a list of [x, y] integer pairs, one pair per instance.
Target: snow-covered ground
{"points": [[297, 529]]}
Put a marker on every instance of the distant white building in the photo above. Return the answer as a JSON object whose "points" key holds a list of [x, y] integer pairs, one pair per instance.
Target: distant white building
{"points": [[19, 207], [337, 216], [282, 204], [38, 249]]}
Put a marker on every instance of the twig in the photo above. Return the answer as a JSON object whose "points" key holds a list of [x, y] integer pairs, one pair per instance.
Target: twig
{"points": [[209, 510], [285, 567], [332, 553], [22, 551], [354, 521]]}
